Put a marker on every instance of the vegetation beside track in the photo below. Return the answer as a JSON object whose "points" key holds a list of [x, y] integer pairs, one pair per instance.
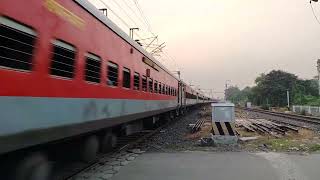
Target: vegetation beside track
{"points": [[270, 90]]}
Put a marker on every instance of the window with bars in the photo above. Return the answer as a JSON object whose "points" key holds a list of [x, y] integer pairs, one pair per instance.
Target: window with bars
{"points": [[63, 58], [136, 81], [150, 85], [163, 89], [112, 74], [144, 83], [126, 78], [92, 68], [155, 87], [160, 88], [17, 45]]}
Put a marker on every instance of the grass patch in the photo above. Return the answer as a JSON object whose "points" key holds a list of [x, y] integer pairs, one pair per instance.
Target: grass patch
{"points": [[314, 147], [283, 144]]}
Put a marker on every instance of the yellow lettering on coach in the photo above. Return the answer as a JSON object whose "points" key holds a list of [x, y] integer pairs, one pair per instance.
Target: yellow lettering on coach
{"points": [[64, 13]]}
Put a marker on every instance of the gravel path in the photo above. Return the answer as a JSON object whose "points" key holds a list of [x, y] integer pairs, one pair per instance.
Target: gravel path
{"points": [[173, 138]]}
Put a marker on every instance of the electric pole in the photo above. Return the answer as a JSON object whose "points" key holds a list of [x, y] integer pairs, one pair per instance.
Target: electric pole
{"points": [[318, 67], [225, 91], [131, 32], [288, 99]]}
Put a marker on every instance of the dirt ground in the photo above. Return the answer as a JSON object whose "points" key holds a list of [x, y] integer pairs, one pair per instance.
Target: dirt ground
{"points": [[305, 140]]}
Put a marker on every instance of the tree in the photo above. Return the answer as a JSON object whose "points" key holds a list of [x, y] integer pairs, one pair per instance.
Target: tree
{"points": [[271, 90], [272, 87]]}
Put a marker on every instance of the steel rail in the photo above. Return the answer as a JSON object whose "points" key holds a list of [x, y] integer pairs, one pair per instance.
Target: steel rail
{"points": [[308, 119]]}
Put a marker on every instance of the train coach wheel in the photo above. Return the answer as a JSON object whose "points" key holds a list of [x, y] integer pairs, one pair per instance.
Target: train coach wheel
{"points": [[177, 113], [33, 167], [182, 111], [171, 115], [108, 142], [89, 149]]}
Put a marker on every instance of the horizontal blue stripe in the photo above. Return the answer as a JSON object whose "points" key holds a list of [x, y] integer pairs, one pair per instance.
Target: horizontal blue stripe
{"points": [[18, 114]]}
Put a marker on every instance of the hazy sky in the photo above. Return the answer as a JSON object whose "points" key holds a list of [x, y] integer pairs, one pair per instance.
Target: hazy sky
{"points": [[217, 40]]}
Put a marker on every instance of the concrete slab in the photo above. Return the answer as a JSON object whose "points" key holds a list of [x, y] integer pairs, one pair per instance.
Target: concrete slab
{"points": [[221, 166]]}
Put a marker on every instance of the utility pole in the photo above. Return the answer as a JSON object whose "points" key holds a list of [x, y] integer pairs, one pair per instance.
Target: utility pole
{"points": [[318, 67], [104, 11], [131, 32], [225, 91], [178, 72], [288, 99]]}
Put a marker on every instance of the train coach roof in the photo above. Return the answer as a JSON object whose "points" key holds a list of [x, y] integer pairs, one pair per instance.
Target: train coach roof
{"points": [[102, 18]]}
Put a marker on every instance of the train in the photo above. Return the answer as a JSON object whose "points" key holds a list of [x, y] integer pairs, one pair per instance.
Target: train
{"points": [[67, 71]]}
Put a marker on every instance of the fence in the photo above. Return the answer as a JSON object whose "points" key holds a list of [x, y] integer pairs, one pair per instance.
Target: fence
{"points": [[313, 110]]}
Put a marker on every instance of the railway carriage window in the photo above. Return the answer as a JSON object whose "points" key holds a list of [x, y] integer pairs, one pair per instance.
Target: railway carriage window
{"points": [[17, 45], [150, 85], [160, 89], [126, 78], [112, 74], [155, 87], [93, 68], [62, 63], [163, 89], [144, 83], [136, 83]]}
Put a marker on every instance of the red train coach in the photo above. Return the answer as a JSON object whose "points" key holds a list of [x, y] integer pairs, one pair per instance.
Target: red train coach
{"points": [[66, 69]]}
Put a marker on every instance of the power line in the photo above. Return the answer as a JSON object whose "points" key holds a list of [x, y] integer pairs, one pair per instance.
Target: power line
{"points": [[146, 22], [125, 12], [143, 16], [314, 13], [123, 21], [114, 13], [134, 12], [172, 59]]}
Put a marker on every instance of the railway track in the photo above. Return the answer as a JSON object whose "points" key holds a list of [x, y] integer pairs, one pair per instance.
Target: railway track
{"points": [[305, 119], [124, 144]]}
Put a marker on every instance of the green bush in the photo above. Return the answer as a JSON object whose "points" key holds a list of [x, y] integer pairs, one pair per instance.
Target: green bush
{"points": [[265, 107]]}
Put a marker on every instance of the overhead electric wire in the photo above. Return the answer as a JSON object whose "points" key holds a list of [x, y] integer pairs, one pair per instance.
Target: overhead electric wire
{"points": [[314, 13], [114, 13], [134, 12], [146, 22], [143, 16], [172, 59], [123, 21], [125, 12]]}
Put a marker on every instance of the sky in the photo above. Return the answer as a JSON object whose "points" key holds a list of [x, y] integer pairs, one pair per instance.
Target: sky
{"points": [[212, 41]]}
